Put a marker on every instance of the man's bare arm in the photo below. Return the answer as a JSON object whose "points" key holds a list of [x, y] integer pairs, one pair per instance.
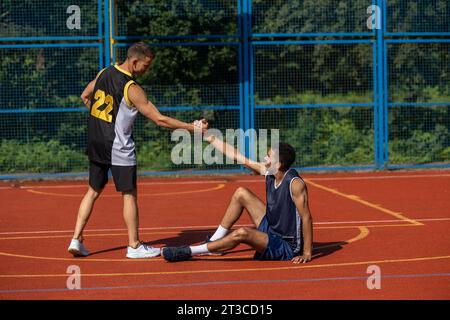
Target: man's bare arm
{"points": [[139, 99], [86, 95], [232, 153], [300, 198]]}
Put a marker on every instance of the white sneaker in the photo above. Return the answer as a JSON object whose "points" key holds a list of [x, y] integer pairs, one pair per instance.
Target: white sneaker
{"points": [[143, 251], [78, 249]]}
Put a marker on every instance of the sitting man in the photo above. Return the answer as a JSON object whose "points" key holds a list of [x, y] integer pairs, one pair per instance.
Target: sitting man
{"points": [[284, 229]]}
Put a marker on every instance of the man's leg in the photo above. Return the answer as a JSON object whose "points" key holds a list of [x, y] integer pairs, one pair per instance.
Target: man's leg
{"points": [[131, 217], [256, 239], [98, 177], [84, 212], [220, 242], [125, 179], [136, 249], [241, 199]]}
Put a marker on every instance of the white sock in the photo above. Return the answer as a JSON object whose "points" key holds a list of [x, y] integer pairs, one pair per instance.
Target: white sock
{"points": [[220, 233], [201, 249]]}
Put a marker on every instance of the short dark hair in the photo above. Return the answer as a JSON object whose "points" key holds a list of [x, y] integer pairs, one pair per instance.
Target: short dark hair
{"points": [[286, 156], [139, 50]]}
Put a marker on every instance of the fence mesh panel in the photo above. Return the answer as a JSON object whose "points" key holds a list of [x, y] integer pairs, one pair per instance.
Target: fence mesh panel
{"points": [[418, 16], [310, 16], [176, 17], [313, 69], [62, 18]]}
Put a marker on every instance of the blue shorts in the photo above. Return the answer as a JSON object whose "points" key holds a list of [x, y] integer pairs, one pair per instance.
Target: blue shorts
{"points": [[277, 248]]}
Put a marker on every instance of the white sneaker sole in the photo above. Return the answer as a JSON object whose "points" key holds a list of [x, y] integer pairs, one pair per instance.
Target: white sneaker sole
{"points": [[77, 253], [139, 256]]}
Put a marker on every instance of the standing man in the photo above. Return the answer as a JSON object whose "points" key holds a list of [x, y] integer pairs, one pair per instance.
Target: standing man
{"points": [[114, 100]]}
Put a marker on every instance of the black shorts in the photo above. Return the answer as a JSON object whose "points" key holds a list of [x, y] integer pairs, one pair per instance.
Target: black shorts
{"points": [[124, 176]]}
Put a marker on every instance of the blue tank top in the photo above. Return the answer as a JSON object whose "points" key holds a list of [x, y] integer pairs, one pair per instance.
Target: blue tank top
{"points": [[281, 212]]}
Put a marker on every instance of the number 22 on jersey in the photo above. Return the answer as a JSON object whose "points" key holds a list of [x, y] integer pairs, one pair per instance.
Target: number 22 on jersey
{"points": [[97, 110]]}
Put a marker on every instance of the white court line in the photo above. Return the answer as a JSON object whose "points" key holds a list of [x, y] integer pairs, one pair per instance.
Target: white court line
{"points": [[215, 226]]}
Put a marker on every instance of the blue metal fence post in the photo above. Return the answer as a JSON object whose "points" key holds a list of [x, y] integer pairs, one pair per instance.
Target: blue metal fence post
{"points": [[107, 34], [246, 76], [375, 107], [376, 94], [385, 150], [379, 113]]}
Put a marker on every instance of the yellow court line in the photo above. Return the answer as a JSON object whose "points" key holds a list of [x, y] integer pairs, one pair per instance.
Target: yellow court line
{"points": [[363, 232], [398, 215], [218, 187], [304, 266]]}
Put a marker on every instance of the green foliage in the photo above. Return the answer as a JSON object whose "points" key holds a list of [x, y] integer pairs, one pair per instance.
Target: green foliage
{"points": [[306, 16], [31, 18], [39, 157], [153, 155], [310, 97], [326, 138], [421, 147]]}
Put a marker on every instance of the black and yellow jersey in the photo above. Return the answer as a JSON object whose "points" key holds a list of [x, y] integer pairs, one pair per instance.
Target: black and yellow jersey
{"points": [[111, 119]]}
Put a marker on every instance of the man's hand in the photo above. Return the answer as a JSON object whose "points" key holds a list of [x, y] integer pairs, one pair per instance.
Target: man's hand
{"points": [[201, 124], [302, 259], [209, 137]]}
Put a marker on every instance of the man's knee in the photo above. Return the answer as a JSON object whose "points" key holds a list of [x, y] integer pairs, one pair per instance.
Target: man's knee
{"points": [[241, 193], [241, 234], [131, 194], [94, 193]]}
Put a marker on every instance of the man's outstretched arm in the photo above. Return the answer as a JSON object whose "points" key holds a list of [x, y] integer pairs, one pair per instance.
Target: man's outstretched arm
{"points": [[300, 198], [232, 153], [139, 99]]}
